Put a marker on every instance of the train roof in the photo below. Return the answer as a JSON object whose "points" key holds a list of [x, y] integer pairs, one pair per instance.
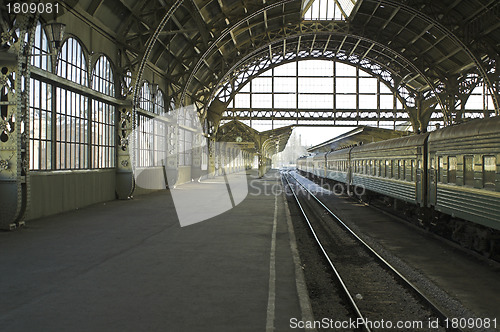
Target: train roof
{"points": [[320, 155], [401, 142], [471, 128]]}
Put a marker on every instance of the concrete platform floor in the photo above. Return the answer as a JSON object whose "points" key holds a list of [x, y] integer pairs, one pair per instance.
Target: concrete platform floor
{"points": [[130, 266]]}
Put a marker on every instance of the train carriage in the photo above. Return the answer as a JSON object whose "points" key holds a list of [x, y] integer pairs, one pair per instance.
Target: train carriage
{"points": [[337, 165], [319, 165], [302, 163], [310, 164], [449, 179], [464, 178], [393, 168]]}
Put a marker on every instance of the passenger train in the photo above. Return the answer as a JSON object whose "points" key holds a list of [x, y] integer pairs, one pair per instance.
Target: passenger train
{"points": [[447, 180]]}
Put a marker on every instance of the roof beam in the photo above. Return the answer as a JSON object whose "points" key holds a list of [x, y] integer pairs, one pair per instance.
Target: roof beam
{"points": [[93, 6]]}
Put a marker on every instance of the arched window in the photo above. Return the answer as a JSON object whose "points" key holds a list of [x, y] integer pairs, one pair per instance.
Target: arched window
{"points": [[102, 77], [185, 118], [40, 106], [103, 116], [145, 141], [145, 101], [72, 110], [40, 46], [479, 101], [159, 103], [328, 9], [71, 63], [321, 91]]}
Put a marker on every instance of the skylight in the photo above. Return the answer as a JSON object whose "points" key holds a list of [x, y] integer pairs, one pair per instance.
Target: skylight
{"points": [[338, 10]]}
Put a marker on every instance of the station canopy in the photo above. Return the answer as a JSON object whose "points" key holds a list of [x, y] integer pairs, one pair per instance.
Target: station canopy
{"points": [[432, 53]]}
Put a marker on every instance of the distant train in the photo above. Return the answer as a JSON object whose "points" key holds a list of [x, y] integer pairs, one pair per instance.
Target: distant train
{"points": [[448, 179]]}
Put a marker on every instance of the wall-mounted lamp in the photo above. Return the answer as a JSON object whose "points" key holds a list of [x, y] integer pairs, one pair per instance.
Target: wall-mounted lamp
{"points": [[55, 33]]}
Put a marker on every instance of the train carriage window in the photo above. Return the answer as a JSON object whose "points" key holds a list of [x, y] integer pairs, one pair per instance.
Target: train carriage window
{"points": [[489, 171], [441, 169], [452, 170], [469, 171], [387, 169]]}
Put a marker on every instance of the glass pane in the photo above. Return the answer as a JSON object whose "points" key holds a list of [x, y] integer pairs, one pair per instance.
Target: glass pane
{"points": [[346, 102], [345, 85], [441, 169], [262, 84], [469, 170], [489, 171], [452, 170], [242, 101], [284, 101], [288, 69], [262, 100], [283, 84]]}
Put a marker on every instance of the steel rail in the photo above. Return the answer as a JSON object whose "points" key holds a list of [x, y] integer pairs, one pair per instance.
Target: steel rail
{"points": [[339, 278], [439, 313]]}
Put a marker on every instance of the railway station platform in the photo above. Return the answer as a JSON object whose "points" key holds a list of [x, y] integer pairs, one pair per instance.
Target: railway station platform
{"points": [[130, 266]]}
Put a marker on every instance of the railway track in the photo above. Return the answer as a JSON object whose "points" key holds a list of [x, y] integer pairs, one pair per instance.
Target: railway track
{"points": [[378, 296]]}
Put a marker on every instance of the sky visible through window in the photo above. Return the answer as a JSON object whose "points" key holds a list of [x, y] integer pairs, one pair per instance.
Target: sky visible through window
{"points": [[325, 10], [326, 85]]}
